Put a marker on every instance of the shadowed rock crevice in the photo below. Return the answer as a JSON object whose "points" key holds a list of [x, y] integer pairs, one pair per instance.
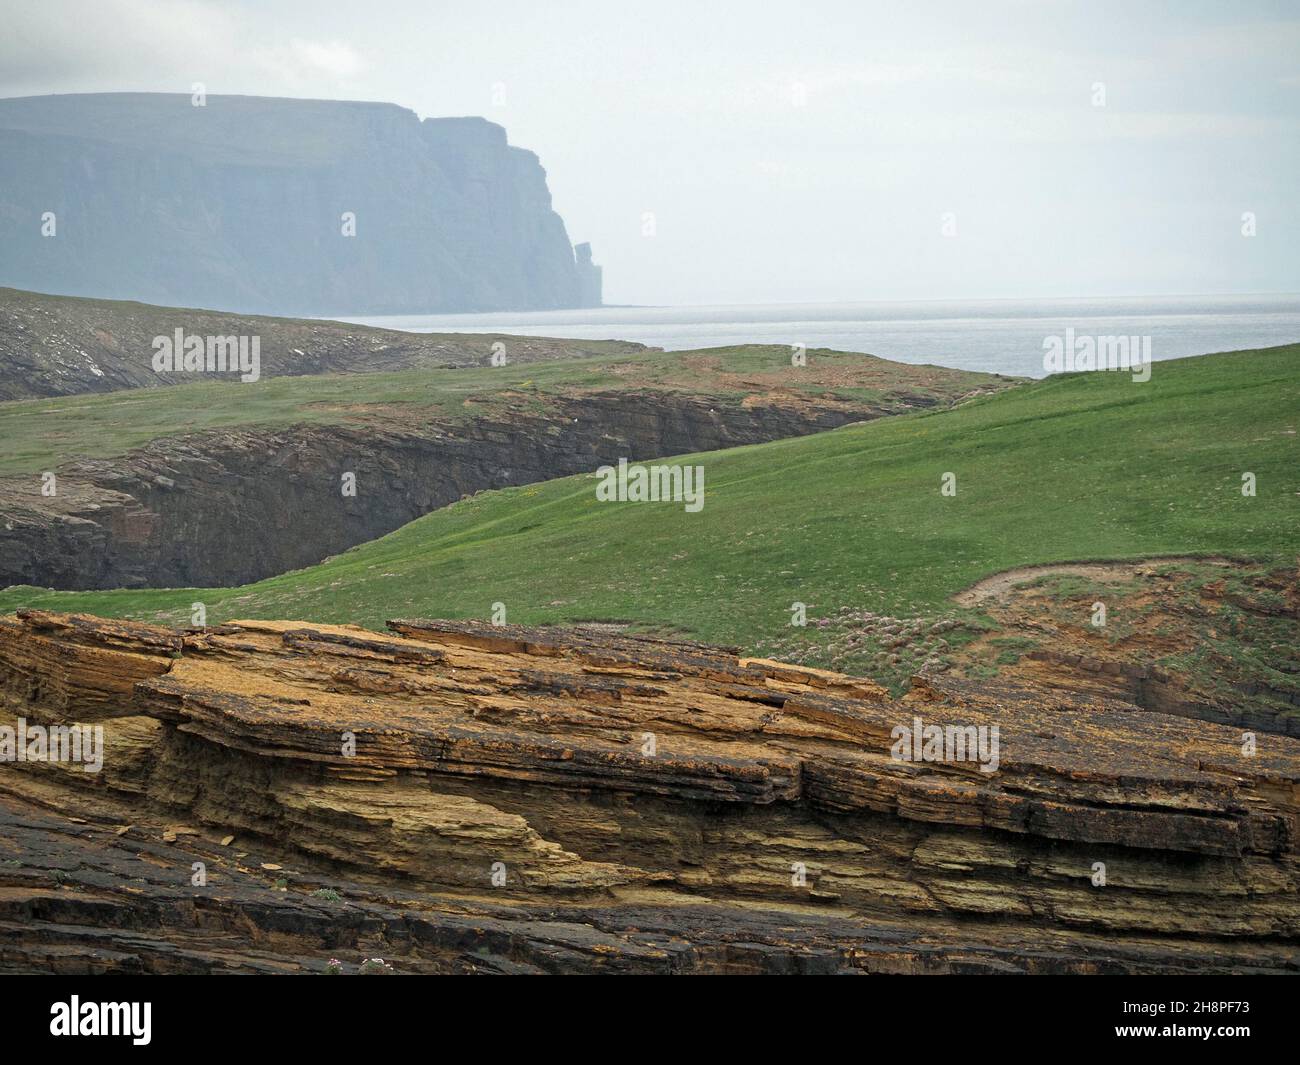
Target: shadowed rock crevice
{"points": [[224, 508]]}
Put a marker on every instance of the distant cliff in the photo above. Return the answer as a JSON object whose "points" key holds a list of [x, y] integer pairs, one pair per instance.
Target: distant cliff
{"points": [[278, 206]]}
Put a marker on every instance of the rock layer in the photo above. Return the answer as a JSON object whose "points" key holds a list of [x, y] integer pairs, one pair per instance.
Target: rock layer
{"points": [[461, 797]]}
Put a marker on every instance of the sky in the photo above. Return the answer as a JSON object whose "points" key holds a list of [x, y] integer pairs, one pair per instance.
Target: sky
{"points": [[725, 152]]}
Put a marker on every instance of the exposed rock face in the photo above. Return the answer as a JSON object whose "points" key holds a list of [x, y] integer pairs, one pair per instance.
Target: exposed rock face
{"points": [[229, 507], [470, 798], [64, 346], [1203, 638], [276, 206]]}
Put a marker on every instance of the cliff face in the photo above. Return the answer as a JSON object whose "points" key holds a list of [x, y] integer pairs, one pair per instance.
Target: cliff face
{"points": [[459, 797], [243, 203]]}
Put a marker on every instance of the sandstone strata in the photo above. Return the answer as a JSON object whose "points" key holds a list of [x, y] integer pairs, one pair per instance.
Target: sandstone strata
{"points": [[462, 797]]}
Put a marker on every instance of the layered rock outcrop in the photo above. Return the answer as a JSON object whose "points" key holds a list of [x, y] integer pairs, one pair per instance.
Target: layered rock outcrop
{"points": [[460, 797], [276, 206]]}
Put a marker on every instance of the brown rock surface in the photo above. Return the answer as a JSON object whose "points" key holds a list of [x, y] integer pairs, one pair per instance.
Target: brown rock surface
{"points": [[1213, 639], [462, 797]]}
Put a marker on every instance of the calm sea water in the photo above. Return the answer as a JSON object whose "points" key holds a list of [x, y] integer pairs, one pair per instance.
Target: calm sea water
{"points": [[999, 336]]}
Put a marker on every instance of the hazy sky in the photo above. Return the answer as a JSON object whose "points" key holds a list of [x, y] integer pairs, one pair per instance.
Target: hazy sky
{"points": [[798, 151]]}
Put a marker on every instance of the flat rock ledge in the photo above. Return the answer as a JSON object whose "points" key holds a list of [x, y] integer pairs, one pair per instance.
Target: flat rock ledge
{"points": [[462, 797]]}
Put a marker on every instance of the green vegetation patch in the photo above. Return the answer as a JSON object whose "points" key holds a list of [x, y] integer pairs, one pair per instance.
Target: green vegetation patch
{"points": [[39, 434], [1074, 467]]}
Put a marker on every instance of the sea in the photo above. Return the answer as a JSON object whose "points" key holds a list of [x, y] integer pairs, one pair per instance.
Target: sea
{"points": [[994, 336]]}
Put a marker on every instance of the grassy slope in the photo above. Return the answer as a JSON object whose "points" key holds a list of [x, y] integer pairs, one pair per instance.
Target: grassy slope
{"points": [[39, 434], [1072, 467], [75, 345]]}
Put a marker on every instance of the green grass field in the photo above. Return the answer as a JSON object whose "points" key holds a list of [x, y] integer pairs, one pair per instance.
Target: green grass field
{"points": [[39, 434], [1083, 466]]}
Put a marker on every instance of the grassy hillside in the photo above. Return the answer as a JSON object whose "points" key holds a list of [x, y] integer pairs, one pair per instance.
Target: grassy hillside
{"points": [[39, 434], [73, 345], [1082, 466]]}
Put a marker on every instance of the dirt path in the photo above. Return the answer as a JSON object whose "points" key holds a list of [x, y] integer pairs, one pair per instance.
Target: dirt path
{"points": [[1000, 583]]}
